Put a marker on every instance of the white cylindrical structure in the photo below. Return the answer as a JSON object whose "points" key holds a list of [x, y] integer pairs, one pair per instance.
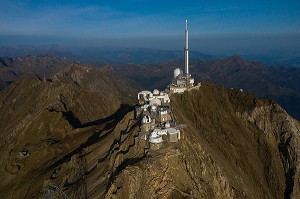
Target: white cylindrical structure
{"points": [[167, 125], [186, 50]]}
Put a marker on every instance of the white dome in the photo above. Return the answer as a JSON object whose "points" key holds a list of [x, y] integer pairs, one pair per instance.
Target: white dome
{"points": [[155, 92], [155, 102], [155, 136], [153, 107], [177, 72], [146, 119], [167, 125]]}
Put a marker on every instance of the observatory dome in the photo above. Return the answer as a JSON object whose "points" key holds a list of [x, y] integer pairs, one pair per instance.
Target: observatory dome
{"points": [[146, 119], [155, 92], [155, 102], [167, 125], [177, 72], [153, 108]]}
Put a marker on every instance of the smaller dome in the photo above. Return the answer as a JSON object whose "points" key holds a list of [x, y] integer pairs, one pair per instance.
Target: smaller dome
{"points": [[177, 72], [146, 119], [155, 102], [153, 107], [155, 92], [167, 125]]}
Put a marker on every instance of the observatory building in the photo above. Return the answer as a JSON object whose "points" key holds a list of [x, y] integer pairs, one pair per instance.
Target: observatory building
{"points": [[158, 123], [156, 118], [183, 81]]}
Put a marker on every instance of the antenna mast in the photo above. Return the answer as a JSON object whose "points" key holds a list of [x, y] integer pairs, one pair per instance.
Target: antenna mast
{"points": [[186, 50]]}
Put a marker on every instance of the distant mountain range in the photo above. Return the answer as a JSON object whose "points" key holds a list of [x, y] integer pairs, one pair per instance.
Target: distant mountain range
{"points": [[102, 55], [44, 66]]}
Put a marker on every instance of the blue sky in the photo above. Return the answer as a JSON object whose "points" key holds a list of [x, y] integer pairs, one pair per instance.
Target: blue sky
{"points": [[159, 23]]}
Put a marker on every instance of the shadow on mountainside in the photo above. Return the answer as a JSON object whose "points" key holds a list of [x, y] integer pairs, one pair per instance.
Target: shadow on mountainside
{"points": [[75, 122], [118, 115], [97, 136]]}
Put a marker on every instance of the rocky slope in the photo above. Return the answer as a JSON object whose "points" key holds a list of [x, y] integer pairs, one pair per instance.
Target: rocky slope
{"points": [[254, 142], [61, 134], [102, 80], [35, 118], [43, 120]]}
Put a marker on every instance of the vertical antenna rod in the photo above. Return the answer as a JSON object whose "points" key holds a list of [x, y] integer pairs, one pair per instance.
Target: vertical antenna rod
{"points": [[186, 50]]}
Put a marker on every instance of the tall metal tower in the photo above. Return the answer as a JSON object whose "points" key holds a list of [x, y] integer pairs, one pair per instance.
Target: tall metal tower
{"points": [[186, 49]]}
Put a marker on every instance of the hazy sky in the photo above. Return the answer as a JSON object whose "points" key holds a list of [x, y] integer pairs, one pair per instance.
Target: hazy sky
{"points": [[214, 25]]}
